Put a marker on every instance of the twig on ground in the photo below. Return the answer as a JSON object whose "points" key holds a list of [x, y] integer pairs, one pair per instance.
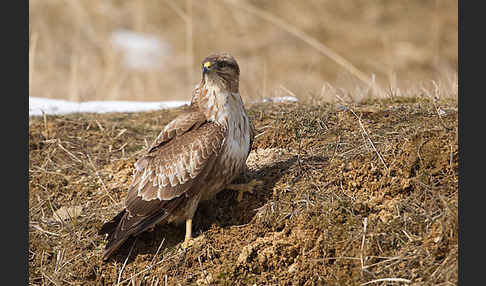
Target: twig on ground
{"points": [[384, 261], [148, 268], [387, 279], [365, 225], [369, 140], [69, 153], [335, 149], [44, 117], [157, 252], [125, 263], [44, 231], [202, 270], [49, 278], [330, 258], [365, 133], [100, 179]]}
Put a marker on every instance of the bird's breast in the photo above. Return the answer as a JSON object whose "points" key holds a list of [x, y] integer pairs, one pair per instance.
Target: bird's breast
{"points": [[232, 159]]}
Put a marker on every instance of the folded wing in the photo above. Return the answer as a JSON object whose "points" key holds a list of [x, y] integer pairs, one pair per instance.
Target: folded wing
{"points": [[164, 179]]}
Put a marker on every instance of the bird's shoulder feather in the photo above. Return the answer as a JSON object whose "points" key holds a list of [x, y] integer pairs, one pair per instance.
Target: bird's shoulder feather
{"points": [[181, 156]]}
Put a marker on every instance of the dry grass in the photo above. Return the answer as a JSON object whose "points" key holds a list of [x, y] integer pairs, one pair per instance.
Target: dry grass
{"points": [[328, 210], [393, 44]]}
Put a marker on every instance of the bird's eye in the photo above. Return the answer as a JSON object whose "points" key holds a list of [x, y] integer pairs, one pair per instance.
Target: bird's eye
{"points": [[222, 64]]}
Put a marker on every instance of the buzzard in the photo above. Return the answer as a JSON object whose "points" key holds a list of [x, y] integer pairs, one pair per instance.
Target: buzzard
{"points": [[195, 156]]}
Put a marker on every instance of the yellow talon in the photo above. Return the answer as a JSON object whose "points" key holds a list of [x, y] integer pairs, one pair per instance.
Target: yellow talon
{"points": [[244, 188]]}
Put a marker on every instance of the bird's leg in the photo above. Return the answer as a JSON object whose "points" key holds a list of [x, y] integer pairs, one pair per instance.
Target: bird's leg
{"points": [[244, 188], [191, 210], [188, 239]]}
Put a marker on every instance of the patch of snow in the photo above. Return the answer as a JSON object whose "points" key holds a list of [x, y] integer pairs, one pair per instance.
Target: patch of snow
{"points": [[140, 51], [280, 99], [38, 106]]}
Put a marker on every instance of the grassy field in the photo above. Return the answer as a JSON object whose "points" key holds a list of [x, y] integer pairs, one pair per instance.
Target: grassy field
{"points": [[360, 177], [350, 194]]}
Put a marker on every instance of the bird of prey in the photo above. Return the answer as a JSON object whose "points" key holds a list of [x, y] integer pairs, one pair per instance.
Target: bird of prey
{"points": [[195, 156]]}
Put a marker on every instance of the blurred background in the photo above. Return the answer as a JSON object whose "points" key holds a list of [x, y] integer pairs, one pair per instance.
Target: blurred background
{"points": [[151, 50]]}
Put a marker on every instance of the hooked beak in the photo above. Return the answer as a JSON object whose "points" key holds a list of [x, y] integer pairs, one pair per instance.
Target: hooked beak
{"points": [[206, 68]]}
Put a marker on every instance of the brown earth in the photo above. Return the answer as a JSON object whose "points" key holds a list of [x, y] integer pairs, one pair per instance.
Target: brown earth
{"points": [[351, 193]]}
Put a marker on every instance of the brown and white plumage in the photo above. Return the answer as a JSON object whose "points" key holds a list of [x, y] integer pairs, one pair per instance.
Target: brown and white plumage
{"points": [[194, 157]]}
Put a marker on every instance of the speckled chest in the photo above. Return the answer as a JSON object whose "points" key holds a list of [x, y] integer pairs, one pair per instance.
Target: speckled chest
{"points": [[232, 159]]}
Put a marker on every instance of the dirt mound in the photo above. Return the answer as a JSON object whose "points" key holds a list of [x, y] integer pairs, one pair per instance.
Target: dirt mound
{"points": [[349, 194]]}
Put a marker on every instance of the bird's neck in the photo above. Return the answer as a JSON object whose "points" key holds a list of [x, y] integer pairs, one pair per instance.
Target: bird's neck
{"points": [[220, 105]]}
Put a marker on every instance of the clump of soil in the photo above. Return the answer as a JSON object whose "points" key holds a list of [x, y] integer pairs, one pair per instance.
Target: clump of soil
{"points": [[348, 194]]}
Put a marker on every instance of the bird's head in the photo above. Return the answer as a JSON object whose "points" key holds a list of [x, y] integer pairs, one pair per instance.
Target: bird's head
{"points": [[217, 95], [222, 69]]}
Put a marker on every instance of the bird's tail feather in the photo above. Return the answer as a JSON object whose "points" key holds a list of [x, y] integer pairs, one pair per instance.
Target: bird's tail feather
{"points": [[110, 226], [116, 237], [122, 226]]}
